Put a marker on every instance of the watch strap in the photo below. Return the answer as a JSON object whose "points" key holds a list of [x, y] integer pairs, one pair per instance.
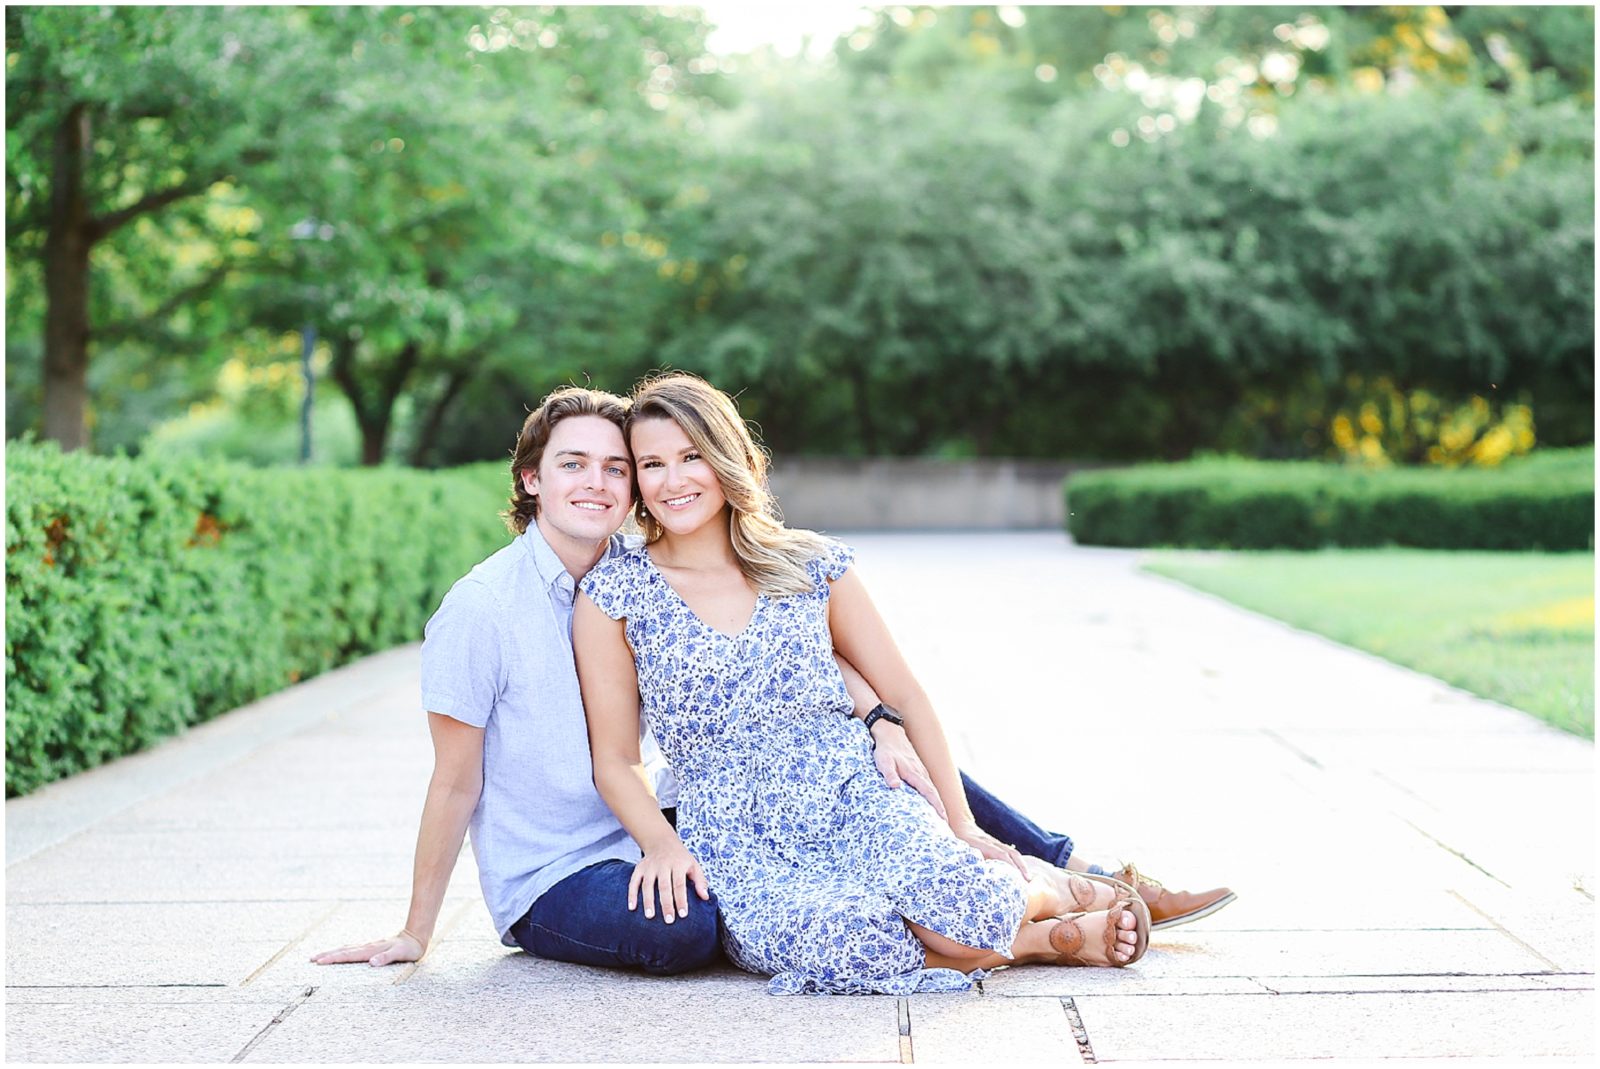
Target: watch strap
{"points": [[883, 712]]}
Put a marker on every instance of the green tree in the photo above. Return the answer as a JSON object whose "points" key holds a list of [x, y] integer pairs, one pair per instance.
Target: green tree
{"points": [[455, 210], [120, 122]]}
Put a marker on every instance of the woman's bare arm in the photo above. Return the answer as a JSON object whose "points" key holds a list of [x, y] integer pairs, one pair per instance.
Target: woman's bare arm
{"points": [[610, 684], [861, 636]]}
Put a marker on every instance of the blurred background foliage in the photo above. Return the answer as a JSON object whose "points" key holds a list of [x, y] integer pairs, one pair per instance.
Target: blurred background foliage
{"points": [[1122, 232]]}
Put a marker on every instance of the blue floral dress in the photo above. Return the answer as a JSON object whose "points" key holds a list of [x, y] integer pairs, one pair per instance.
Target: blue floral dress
{"points": [[816, 863]]}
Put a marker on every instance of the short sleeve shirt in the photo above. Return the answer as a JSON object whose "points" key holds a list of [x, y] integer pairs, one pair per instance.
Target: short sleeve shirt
{"points": [[498, 655]]}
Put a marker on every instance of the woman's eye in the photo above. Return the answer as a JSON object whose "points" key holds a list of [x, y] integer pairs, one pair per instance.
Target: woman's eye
{"points": [[691, 456]]}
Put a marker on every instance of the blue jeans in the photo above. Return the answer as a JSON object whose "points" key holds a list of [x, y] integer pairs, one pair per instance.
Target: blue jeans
{"points": [[1009, 826], [585, 919]]}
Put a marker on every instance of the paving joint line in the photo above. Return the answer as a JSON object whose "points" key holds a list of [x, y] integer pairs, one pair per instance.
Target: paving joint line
{"points": [[277, 1019], [1403, 789], [441, 933], [290, 945], [102, 987], [1292, 748], [1080, 1034], [1507, 932], [902, 1013], [1447, 848]]}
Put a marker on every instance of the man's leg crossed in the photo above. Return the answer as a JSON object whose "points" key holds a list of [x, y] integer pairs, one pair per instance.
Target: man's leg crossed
{"points": [[585, 919]]}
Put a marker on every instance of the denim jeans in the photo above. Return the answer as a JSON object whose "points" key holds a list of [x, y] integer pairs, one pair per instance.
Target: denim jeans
{"points": [[1009, 826], [585, 919]]}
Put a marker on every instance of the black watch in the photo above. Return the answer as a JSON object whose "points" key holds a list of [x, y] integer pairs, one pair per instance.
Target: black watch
{"points": [[884, 712]]}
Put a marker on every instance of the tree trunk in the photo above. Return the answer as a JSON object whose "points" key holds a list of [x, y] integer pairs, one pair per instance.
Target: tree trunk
{"points": [[373, 437], [66, 281], [374, 410], [428, 433]]}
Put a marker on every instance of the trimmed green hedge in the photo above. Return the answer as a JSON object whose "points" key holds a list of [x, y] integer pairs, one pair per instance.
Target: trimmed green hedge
{"points": [[1543, 501], [143, 596]]}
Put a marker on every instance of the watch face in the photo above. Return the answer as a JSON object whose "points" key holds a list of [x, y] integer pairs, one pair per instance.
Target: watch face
{"points": [[884, 712]]}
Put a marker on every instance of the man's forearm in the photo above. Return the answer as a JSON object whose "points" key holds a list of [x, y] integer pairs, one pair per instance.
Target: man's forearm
{"points": [[445, 815]]}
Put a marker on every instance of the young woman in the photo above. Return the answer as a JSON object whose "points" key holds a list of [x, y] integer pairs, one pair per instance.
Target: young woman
{"points": [[722, 627]]}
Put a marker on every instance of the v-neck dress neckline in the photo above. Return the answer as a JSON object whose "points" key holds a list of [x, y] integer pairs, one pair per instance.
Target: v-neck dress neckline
{"points": [[755, 610]]}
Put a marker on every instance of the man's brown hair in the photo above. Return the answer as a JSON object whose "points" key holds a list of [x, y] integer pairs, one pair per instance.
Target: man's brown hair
{"points": [[561, 404]]}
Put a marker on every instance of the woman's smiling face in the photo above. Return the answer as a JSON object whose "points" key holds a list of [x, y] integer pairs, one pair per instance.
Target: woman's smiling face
{"points": [[676, 482]]}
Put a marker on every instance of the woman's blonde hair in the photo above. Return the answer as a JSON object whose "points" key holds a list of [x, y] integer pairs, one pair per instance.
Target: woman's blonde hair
{"points": [[771, 556]]}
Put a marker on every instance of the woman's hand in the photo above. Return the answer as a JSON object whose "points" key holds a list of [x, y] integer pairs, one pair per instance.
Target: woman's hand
{"points": [[898, 761], [990, 847], [401, 947], [665, 870]]}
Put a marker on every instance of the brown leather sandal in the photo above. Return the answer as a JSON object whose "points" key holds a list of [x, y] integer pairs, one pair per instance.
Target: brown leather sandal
{"points": [[1082, 892], [1068, 940]]}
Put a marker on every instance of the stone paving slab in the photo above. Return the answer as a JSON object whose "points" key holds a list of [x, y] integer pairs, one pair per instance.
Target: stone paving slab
{"points": [[1014, 1031], [586, 1025], [461, 968], [1071, 983], [1361, 1026], [113, 1031], [86, 963], [36, 924]]}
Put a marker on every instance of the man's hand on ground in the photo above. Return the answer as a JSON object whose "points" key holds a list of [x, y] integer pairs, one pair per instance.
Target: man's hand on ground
{"points": [[397, 948], [898, 761]]}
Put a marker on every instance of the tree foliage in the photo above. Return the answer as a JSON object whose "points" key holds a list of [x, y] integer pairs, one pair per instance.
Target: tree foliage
{"points": [[1026, 230]]}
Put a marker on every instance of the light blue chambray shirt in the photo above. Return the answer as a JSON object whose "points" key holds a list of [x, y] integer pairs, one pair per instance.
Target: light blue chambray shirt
{"points": [[498, 655]]}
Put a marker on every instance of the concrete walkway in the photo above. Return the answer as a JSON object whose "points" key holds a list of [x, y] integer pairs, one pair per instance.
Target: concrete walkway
{"points": [[1415, 866]]}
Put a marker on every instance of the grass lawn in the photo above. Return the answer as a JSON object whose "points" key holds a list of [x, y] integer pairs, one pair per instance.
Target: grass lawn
{"points": [[1515, 627]]}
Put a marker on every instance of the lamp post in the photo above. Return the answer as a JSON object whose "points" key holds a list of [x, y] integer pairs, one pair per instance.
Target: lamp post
{"points": [[308, 342]]}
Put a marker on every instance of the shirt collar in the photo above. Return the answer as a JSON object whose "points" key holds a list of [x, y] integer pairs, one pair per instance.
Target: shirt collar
{"points": [[551, 570]]}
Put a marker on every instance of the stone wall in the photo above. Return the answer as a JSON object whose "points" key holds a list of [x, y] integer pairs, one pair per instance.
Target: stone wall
{"points": [[909, 494]]}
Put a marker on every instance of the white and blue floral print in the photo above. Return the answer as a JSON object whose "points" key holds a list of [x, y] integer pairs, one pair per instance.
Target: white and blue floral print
{"points": [[816, 863]]}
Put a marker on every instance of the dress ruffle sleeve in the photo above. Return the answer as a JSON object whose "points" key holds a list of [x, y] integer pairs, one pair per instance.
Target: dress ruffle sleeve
{"points": [[830, 564]]}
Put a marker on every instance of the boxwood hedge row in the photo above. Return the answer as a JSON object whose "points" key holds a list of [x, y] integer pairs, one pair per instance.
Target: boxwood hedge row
{"points": [[1543, 501], [143, 596]]}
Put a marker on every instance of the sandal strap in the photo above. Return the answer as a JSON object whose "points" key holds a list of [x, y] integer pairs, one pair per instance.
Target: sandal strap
{"points": [[1067, 939], [1082, 891]]}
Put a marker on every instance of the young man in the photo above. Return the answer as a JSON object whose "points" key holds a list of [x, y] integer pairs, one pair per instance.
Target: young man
{"points": [[511, 748]]}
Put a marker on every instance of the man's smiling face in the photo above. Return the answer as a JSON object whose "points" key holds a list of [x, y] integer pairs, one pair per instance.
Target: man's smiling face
{"points": [[583, 482]]}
